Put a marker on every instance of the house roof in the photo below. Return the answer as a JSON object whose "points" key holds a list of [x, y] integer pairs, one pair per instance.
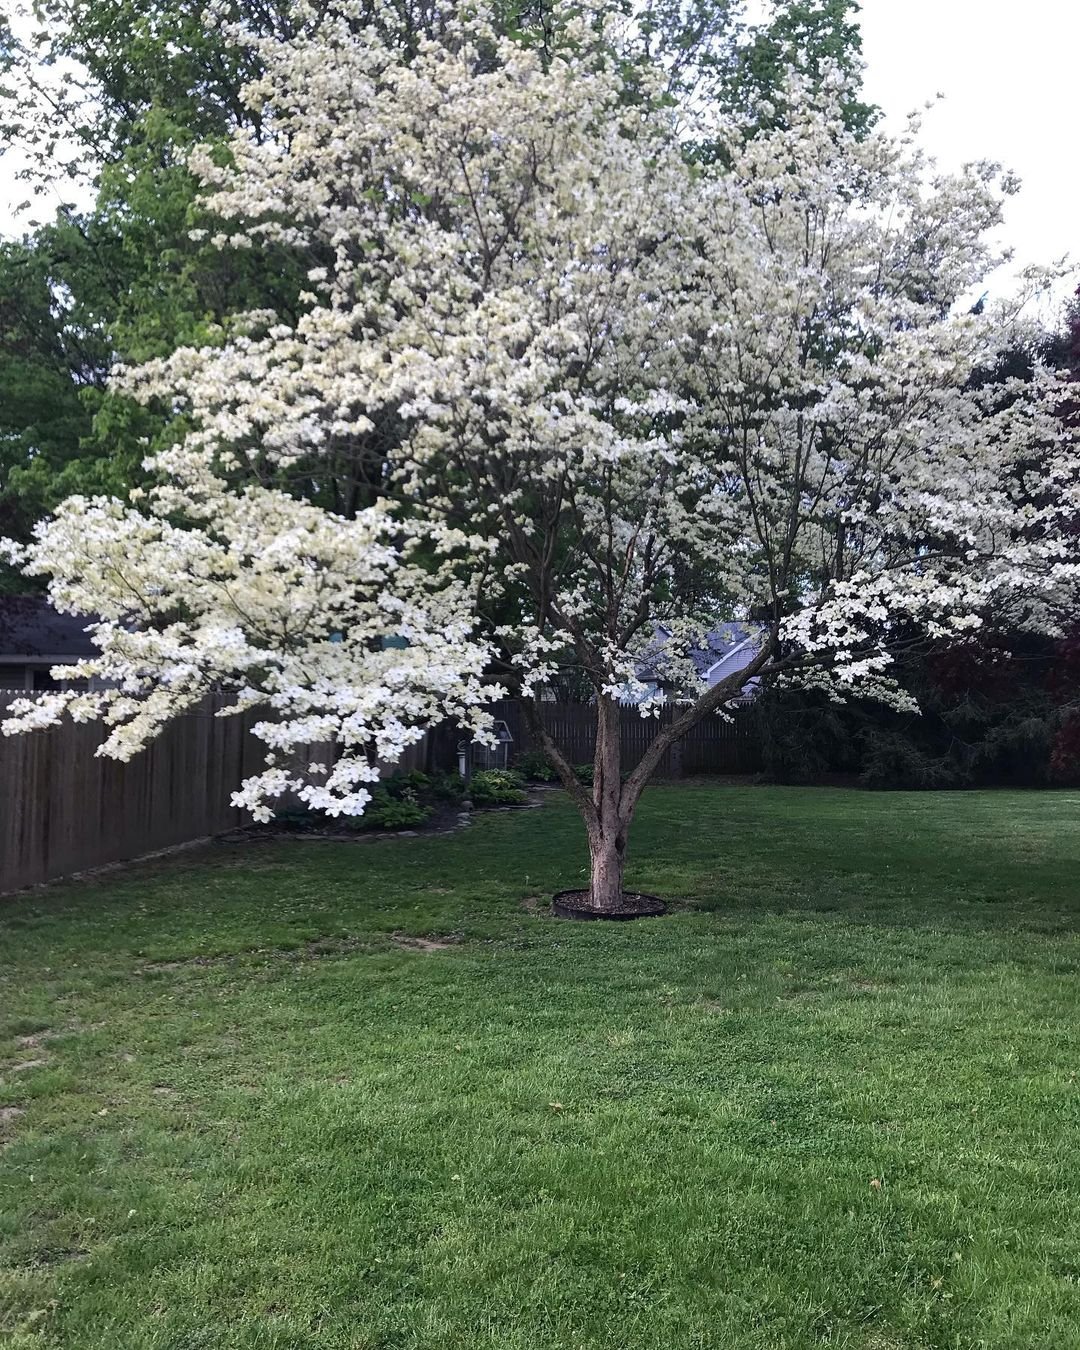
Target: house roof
{"points": [[722, 642], [716, 645], [30, 630]]}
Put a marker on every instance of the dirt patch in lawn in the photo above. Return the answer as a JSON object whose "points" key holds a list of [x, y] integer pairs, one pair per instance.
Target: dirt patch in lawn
{"points": [[327, 946], [20, 1066], [313, 949], [798, 997], [181, 962], [53, 1256], [36, 1039], [407, 943]]}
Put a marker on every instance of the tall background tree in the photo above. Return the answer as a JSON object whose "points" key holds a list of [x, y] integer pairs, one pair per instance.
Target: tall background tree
{"points": [[806, 35]]}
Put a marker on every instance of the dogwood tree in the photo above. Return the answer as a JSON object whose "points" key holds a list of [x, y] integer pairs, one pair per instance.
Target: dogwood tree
{"points": [[570, 385]]}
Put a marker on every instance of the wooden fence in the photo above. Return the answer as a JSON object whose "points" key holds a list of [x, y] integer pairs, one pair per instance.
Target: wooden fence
{"points": [[63, 810], [714, 746]]}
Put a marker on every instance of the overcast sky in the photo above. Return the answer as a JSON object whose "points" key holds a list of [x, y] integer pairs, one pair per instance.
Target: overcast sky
{"points": [[1008, 74]]}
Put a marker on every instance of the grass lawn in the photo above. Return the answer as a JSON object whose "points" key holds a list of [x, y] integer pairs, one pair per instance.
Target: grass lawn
{"points": [[831, 1101]]}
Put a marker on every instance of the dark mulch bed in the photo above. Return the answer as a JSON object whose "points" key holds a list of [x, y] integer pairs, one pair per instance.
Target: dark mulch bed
{"points": [[445, 817]]}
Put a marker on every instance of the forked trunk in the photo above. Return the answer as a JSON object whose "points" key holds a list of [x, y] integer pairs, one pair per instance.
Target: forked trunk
{"points": [[608, 810]]}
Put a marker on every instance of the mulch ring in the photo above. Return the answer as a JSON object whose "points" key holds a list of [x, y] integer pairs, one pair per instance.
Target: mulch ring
{"points": [[636, 906], [632, 905]]}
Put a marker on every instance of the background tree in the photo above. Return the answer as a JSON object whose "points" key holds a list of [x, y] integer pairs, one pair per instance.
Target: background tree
{"points": [[616, 388], [812, 37], [45, 365]]}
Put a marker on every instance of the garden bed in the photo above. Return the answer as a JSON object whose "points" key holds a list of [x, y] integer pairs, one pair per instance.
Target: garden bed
{"points": [[403, 805]]}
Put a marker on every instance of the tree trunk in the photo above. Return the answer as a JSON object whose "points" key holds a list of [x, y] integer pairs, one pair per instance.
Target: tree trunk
{"points": [[607, 855], [607, 833], [609, 808]]}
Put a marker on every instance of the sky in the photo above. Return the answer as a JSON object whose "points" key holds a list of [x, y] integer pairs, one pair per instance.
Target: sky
{"points": [[1007, 71]]}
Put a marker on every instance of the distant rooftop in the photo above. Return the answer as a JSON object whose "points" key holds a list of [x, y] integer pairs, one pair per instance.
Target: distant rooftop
{"points": [[715, 645], [31, 628], [721, 642]]}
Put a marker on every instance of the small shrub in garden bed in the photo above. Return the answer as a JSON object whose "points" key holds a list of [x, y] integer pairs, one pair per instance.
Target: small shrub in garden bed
{"points": [[447, 787], [584, 773], [496, 787], [299, 818], [534, 766], [402, 784], [403, 801], [401, 812]]}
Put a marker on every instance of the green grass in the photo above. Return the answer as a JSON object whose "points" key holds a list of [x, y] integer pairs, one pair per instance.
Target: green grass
{"points": [[831, 1101]]}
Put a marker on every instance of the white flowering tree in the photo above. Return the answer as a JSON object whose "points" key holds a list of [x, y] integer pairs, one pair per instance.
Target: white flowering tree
{"points": [[555, 384]]}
